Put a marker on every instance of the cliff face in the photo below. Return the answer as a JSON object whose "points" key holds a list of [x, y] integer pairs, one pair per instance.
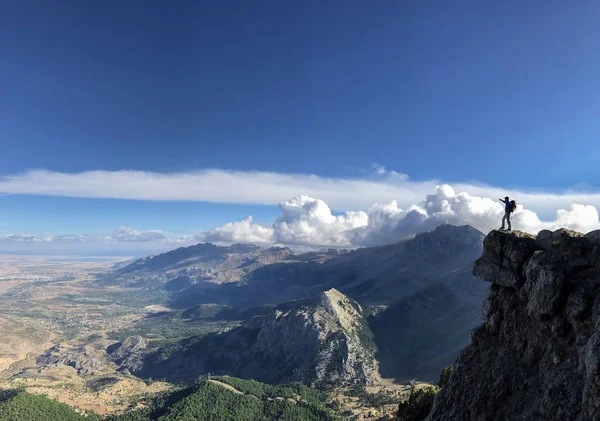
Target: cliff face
{"points": [[537, 354]]}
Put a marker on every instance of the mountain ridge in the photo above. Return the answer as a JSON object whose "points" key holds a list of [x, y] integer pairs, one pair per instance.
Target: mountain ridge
{"points": [[372, 275]]}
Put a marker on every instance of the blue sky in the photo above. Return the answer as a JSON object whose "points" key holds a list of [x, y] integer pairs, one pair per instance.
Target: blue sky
{"points": [[470, 93]]}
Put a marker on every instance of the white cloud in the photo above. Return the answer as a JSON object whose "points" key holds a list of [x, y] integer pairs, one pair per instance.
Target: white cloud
{"points": [[304, 221], [120, 234], [387, 206], [131, 235], [27, 238], [238, 232], [218, 186], [308, 221], [267, 188], [123, 241]]}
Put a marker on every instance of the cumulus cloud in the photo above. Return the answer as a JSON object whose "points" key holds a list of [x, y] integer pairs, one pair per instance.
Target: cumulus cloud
{"points": [[386, 206], [310, 222], [239, 232], [303, 221]]}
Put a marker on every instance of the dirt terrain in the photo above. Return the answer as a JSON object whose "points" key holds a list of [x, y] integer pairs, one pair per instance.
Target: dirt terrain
{"points": [[57, 322], [53, 316]]}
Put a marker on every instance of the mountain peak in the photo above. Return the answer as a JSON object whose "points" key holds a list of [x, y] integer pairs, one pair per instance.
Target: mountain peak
{"points": [[446, 238], [446, 229], [345, 309]]}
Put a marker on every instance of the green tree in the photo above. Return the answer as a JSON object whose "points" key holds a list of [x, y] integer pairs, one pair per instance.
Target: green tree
{"points": [[419, 403], [18, 405], [445, 375]]}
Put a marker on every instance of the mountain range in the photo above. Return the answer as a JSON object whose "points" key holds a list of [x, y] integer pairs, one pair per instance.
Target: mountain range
{"points": [[418, 302]]}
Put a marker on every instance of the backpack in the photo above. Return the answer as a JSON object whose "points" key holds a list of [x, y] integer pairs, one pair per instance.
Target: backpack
{"points": [[513, 206]]}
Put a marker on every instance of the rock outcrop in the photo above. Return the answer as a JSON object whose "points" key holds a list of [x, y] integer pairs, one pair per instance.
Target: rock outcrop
{"points": [[86, 358], [128, 353], [537, 354]]}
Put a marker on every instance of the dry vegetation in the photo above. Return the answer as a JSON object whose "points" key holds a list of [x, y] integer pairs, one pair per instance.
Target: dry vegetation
{"points": [[49, 301], [55, 325]]}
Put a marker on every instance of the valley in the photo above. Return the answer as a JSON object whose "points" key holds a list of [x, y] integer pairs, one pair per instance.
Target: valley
{"points": [[112, 335]]}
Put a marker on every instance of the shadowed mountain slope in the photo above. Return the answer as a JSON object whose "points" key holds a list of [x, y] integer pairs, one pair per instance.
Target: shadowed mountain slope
{"points": [[373, 276]]}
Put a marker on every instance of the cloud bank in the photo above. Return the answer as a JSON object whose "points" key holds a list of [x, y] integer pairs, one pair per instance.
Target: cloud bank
{"points": [[309, 222], [268, 188], [386, 206]]}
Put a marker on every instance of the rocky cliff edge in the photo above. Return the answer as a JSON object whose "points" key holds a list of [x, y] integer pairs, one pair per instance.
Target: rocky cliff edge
{"points": [[537, 354]]}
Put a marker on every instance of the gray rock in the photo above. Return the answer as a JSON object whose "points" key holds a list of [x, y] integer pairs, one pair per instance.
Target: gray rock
{"points": [[129, 353], [580, 262], [577, 304], [591, 394], [87, 359], [594, 256], [537, 355], [593, 237], [567, 244], [544, 285], [559, 327], [504, 255]]}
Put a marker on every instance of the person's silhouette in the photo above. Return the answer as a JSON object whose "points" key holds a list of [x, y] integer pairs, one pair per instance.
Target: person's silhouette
{"points": [[508, 208]]}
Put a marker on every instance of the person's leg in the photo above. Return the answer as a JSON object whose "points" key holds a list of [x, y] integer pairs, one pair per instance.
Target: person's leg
{"points": [[508, 220], [503, 219]]}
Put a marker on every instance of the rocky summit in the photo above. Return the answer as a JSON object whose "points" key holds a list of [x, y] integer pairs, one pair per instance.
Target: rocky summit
{"points": [[537, 354]]}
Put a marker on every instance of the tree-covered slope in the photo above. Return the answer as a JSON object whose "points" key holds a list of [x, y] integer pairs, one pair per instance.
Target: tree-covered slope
{"points": [[232, 399], [21, 406]]}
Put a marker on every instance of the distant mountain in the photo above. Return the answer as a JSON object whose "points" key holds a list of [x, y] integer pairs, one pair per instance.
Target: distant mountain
{"points": [[186, 266], [321, 340], [373, 275]]}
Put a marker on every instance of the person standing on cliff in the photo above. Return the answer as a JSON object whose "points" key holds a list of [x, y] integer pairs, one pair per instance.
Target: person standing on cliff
{"points": [[509, 207]]}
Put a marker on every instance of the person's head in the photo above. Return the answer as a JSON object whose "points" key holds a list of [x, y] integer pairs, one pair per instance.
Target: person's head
{"points": [[506, 198]]}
